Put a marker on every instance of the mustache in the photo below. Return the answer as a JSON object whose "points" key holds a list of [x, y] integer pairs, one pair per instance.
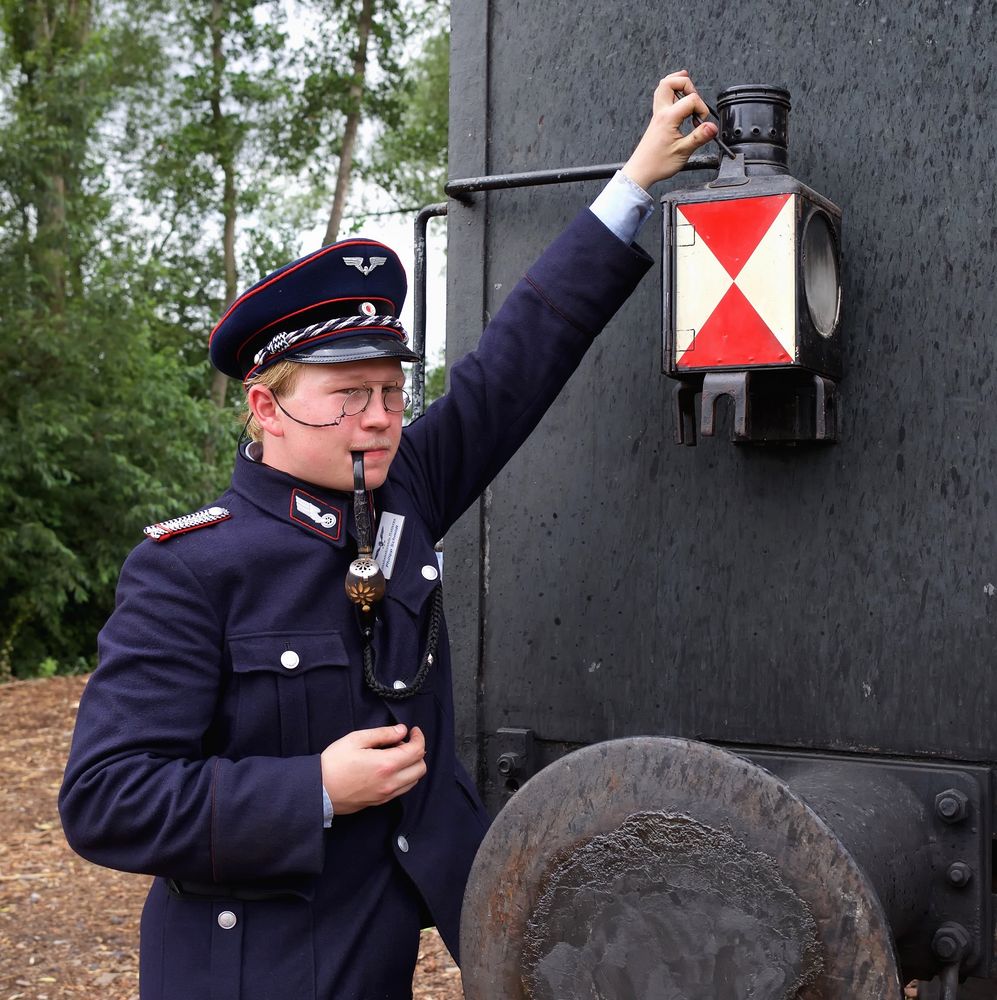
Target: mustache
{"points": [[374, 444]]}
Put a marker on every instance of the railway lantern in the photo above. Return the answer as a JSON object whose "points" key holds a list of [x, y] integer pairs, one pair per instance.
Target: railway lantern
{"points": [[752, 298]]}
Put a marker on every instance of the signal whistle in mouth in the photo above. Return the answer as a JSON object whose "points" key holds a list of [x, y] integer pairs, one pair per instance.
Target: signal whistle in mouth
{"points": [[364, 579]]}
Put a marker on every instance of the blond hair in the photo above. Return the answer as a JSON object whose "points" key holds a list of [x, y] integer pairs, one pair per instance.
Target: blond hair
{"points": [[280, 377]]}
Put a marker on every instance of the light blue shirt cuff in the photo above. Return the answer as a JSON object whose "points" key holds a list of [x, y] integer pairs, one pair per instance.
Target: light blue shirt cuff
{"points": [[327, 813], [623, 207]]}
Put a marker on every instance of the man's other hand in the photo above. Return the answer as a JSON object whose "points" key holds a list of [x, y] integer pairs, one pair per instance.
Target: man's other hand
{"points": [[369, 767]]}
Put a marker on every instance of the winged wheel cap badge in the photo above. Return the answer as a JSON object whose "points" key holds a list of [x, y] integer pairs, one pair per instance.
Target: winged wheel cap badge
{"points": [[358, 263]]}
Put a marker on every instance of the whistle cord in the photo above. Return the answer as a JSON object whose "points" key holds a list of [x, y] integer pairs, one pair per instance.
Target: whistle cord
{"points": [[365, 586], [412, 687]]}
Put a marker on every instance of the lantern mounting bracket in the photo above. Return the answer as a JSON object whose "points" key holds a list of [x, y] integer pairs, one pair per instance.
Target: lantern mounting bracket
{"points": [[769, 406]]}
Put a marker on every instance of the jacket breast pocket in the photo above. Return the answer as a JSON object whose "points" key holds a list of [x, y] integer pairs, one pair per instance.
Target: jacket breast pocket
{"points": [[293, 692]]}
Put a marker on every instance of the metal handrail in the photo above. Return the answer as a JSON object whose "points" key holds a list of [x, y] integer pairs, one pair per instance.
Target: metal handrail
{"points": [[419, 306]]}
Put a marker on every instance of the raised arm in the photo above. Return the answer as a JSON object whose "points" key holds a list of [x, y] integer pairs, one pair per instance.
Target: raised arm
{"points": [[501, 390]]}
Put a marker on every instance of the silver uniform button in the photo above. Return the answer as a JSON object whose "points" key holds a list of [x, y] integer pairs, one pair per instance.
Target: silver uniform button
{"points": [[227, 920], [399, 685], [430, 572], [289, 659], [402, 845]]}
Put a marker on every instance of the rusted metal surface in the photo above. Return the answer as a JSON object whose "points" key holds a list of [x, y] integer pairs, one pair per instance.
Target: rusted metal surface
{"points": [[665, 905], [589, 810]]}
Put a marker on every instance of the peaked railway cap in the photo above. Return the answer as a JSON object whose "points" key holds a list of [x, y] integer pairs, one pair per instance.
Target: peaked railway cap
{"points": [[340, 303]]}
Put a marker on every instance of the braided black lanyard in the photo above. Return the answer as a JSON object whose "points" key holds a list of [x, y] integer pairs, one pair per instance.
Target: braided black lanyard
{"points": [[365, 586]]}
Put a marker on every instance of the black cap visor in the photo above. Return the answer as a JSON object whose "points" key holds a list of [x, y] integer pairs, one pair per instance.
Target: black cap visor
{"points": [[357, 347]]}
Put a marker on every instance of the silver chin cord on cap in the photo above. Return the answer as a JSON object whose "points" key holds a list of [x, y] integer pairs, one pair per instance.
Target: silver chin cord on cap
{"points": [[365, 586]]}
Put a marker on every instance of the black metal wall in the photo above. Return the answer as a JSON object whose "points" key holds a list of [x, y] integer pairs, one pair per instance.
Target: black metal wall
{"points": [[613, 583]]}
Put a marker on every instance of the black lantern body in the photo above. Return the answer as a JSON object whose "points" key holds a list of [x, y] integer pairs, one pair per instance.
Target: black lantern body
{"points": [[752, 303]]}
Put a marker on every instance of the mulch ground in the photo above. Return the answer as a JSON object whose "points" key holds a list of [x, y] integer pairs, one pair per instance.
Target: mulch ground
{"points": [[68, 928]]}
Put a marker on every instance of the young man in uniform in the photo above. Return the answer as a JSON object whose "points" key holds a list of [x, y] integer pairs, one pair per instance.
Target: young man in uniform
{"points": [[278, 753]]}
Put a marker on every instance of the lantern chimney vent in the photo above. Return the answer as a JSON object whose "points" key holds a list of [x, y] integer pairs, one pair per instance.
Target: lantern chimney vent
{"points": [[754, 120]]}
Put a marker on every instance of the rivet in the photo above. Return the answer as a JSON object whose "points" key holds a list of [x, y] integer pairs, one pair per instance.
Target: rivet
{"points": [[959, 874]]}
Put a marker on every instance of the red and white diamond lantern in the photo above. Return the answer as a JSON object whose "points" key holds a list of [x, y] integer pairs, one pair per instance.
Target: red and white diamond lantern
{"points": [[753, 279]]}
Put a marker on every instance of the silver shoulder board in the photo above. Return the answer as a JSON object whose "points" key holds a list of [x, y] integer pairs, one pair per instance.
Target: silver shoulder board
{"points": [[189, 522]]}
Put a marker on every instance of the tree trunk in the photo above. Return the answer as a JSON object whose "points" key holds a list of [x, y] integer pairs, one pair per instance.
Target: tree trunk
{"points": [[42, 34], [51, 240], [352, 123]]}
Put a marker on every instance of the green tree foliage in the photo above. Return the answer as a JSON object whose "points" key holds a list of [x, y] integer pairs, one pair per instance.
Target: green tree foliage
{"points": [[154, 157], [436, 379], [358, 74], [410, 156], [96, 420], [206, 151]]}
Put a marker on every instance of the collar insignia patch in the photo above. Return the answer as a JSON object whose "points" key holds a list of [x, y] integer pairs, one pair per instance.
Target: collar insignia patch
{"points": [[163, 530], [358, 263], [316, 514]]}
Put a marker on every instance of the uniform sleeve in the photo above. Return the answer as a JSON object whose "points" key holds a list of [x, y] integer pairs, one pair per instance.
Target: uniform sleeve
{"points": [[139, 793], [499, 392]]}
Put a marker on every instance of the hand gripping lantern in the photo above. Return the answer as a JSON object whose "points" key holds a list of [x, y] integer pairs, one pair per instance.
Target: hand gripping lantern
{"points": [[752, 294]]}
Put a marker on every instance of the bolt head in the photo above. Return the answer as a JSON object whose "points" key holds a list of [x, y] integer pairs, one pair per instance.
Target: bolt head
{"points": [[951, 942], [508, 764], [952, 805]]}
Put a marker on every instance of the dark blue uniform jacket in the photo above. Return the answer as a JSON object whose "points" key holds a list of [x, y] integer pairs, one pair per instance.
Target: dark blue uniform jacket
{"points": [[196, 752]]}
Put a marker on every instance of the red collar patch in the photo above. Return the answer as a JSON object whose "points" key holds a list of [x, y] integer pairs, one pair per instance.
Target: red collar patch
{"points": [[316, 514]]}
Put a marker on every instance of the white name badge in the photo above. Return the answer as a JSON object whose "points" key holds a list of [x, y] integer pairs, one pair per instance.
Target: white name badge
{"points": [[389, 535]]}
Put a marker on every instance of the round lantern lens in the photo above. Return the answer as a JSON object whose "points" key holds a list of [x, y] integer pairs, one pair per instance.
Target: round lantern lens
{"points": [[820, 273]]}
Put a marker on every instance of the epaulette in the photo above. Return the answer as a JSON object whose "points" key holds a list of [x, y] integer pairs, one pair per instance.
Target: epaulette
{"points": [[188, 522]]}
